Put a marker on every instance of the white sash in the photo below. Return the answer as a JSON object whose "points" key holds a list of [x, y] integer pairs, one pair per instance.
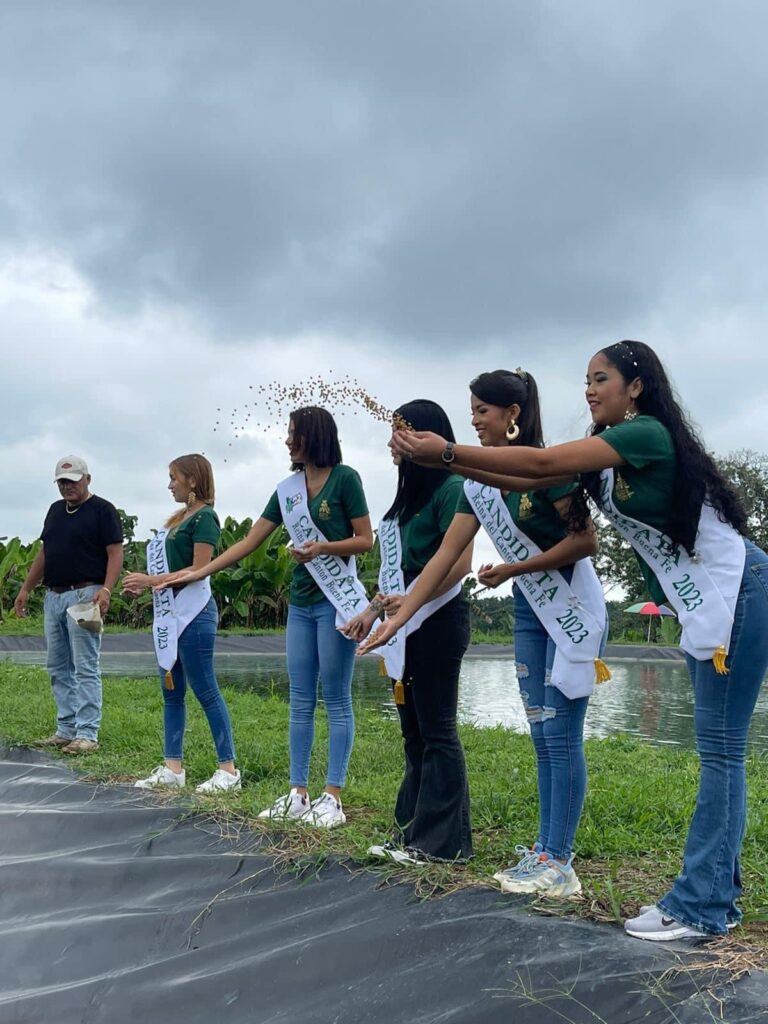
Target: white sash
{"points": [[172, 612], [337, 579], [392, 581], [572, 614], [703, 589]]}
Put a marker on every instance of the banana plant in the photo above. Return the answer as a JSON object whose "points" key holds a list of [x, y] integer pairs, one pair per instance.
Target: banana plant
{"points": [[15, 560]]}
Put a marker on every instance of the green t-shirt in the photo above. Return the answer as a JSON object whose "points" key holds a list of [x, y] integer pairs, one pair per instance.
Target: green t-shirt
{"points": [[643, 487], [339, 501], [423, 534], [534, 512], [201, 528]]}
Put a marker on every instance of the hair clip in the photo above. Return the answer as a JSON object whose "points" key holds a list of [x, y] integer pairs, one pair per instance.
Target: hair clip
{"points": [[520, 372], [624, 344]]}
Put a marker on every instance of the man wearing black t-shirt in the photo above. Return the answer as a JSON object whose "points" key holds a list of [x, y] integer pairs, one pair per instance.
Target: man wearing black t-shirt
{"points": [[80, 561]]}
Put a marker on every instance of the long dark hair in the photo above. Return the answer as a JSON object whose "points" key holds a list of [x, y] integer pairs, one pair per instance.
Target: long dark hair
{"points": [[697, 474], [315, 432], [513, 387], [417, 484]]}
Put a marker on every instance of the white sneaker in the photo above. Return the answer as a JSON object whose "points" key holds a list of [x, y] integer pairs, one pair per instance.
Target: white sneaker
{"points": [[382, 850], [730, 925], [292, 805], [219, 782], [546, 878], [655, 926], [325, 812], [162, 776]]}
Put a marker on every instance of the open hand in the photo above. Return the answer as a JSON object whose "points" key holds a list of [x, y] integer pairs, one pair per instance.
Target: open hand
{"points": [[379, 637], [178, 578]]}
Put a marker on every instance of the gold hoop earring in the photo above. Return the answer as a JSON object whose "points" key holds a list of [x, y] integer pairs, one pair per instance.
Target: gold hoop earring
{"points": [[191, 499], [513, 431]]}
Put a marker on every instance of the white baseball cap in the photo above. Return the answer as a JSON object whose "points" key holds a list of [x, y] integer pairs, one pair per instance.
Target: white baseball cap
{"points": [[70, 468]]}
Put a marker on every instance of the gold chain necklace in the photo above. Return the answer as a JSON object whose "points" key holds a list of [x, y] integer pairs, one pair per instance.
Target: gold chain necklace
{"points": [[71, 511]]}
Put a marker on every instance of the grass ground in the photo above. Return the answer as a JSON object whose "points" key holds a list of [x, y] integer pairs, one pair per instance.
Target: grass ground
{"points": [[629, 842]]}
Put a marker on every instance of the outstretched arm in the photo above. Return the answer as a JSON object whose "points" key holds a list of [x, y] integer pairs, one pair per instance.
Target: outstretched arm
{"points": [[255, 537], [538, 464], [433, 578]]}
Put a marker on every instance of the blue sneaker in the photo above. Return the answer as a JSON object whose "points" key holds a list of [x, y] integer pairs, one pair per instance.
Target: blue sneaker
{"points": [[528, 856], [547, 877]]}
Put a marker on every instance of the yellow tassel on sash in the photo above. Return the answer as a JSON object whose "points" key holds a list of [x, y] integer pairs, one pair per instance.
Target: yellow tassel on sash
{"points": [[168, 681], [399, 689], [602, 672], [718, 659]]}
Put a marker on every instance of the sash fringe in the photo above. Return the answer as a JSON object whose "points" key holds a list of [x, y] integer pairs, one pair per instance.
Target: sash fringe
{"points": [[602, 672], [718, 659]]}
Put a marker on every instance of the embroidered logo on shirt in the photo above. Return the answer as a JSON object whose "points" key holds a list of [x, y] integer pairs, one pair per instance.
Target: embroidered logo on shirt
{"points": [[324, 512], [622, 490], [525, 508]]}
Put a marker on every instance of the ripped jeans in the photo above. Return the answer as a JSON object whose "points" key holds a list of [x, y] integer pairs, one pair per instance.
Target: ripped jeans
{"points": [[557, 731]]}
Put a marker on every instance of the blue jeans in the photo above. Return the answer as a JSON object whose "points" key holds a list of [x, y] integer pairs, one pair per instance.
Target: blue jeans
{"points": [[704, 894], [73, 664], [315, 647], [194, 666], [557, 731]]}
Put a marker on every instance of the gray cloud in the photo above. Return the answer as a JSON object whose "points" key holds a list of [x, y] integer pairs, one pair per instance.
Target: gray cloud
{"points": [[437, 171]]}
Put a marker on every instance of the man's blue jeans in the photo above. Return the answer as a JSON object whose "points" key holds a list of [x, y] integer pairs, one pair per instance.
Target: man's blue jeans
{"points": [[316, 648], [194, 668], [704, 894], [73, 664], [557, 731]]}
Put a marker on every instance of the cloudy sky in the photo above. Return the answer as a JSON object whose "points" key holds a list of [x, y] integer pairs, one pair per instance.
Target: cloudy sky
{"points": [[196, 197]]}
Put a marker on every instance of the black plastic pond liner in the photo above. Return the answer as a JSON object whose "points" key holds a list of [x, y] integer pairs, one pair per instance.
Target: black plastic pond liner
{"points": [[117, 908]]}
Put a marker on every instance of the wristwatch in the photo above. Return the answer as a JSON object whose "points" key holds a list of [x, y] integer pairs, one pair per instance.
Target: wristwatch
{"points": [[447, 456]]}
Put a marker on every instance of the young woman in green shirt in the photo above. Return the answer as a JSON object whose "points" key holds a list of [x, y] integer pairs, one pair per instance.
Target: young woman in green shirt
{"points": [[651, 475], [505, 411], [432, 819], [193, 533], [335, 502]]}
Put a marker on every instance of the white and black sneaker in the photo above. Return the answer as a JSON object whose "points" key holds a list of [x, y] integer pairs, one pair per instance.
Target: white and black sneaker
{"points": [[655, 926], [293, 805], [382, 850], [730, 925], [161, 777], [325, 812]]}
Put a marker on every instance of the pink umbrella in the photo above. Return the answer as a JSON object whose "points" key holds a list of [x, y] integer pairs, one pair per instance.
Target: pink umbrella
{"points": [[649, 608]]}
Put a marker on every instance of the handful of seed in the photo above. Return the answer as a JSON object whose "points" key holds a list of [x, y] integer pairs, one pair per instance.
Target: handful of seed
{"points": [[272, 404]]}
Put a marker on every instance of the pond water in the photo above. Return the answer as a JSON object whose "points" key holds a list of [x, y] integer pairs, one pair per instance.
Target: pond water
{"points": [[650, 700]]}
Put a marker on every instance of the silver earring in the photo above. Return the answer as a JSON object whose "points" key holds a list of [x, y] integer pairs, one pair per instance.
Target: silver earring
{"points": [[513, 431], [630, 414]]}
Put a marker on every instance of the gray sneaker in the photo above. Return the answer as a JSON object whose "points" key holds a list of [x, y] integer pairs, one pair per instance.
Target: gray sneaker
{"points": [[655, 926], [730, 925]]}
